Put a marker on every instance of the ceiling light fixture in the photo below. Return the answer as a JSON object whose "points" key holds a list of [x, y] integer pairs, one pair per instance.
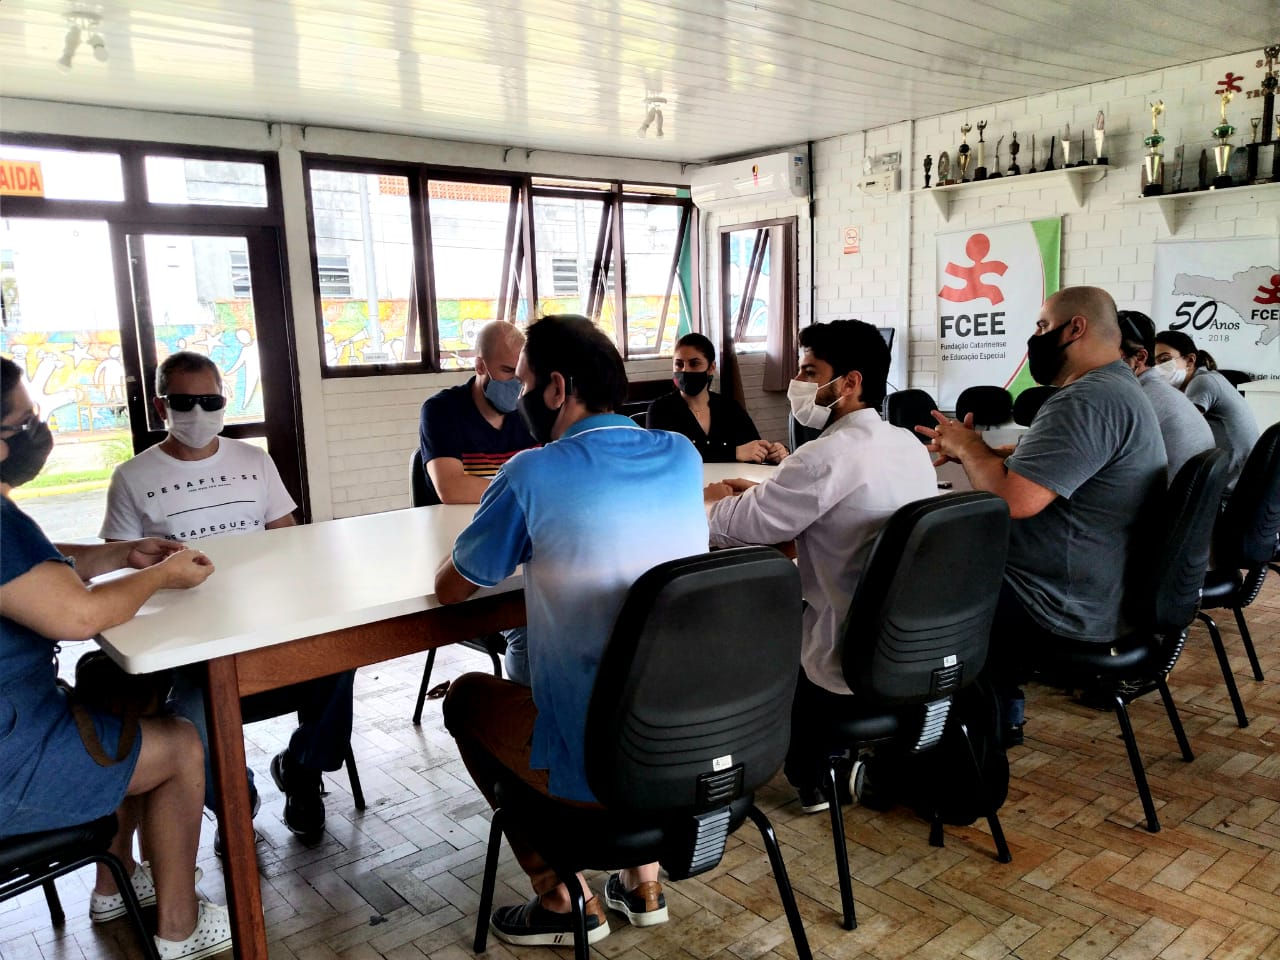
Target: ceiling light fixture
{"points": [[82, 27], [652, 116]]}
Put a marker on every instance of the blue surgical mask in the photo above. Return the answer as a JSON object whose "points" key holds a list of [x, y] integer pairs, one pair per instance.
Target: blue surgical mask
{"points": [[503, 394]]}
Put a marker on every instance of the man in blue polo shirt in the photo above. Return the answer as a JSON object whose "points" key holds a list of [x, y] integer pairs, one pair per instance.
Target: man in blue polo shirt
{"points": [[586, 514], [467, 432]]}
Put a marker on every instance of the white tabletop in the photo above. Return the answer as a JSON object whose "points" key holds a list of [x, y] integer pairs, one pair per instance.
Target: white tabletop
{"points": [[278, 585]]}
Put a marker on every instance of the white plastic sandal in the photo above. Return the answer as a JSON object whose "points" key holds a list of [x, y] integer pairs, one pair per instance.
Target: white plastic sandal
{"points": [[108, 906], [211, 936]]}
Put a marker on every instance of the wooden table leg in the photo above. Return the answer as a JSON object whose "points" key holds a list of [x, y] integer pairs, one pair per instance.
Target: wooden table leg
{"points": [[231, 787]]}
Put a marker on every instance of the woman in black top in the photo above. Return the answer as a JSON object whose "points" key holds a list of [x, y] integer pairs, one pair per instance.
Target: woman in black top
{"points": [[720, 429]]}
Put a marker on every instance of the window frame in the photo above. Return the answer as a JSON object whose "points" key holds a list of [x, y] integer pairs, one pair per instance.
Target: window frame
{"points": [[520, 275]]}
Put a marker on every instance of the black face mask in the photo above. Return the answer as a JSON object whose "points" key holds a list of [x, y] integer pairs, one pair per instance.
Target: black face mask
{"points": [[535, 413], [1044, 356], [28, 452], [690, 383]]}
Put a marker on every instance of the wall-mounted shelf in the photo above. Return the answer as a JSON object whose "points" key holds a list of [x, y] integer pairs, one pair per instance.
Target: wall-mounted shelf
{"points": [[1074, 178], [1172, 205]]}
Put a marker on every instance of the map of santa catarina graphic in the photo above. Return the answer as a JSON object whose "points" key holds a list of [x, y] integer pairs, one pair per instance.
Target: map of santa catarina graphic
{"points": [[1225, 295]]}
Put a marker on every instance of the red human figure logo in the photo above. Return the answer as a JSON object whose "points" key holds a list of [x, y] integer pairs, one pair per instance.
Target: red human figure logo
{"points": [[976, 249], [1269, 294], [1228, 84]]}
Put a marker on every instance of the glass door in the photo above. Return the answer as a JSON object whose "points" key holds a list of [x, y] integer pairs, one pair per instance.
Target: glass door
{"points": [[220, 293]]}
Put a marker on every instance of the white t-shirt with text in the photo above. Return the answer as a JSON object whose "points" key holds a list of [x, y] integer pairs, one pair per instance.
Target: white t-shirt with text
{"points": [[237, 490]]}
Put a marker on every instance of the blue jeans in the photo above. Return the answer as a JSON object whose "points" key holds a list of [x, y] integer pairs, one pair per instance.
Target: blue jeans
{"points": [[516, 661], [324, 708]]}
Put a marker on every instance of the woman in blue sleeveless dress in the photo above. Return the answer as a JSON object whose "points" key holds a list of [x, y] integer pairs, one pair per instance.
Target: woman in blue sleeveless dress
{"points": [[47, 777]]}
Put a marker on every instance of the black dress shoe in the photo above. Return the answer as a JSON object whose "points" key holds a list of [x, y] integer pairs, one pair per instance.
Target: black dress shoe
{"points": [[303, 807]]}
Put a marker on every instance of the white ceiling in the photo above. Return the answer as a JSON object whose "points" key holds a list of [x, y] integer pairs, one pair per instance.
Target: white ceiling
{"points": [[572, 75]]}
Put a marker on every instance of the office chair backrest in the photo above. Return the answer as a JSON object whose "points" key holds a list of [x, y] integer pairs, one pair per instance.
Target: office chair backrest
{"points": [[692, 700], [798, 434], [1170, 572], [1246, 535], [989, 405], [920, 620], [910, 408], [1029, 403], [1236, 377], [420, 485]]}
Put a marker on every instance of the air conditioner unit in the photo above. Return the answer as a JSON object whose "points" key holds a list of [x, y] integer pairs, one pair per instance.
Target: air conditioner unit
{"points": [[777, 177]]}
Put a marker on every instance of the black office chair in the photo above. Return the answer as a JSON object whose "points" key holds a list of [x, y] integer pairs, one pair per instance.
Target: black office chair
{"points": [[640, 419], [37, 859], [798, 434], [277, 703], [1029, 403], [1236, 377], [909, 409], [424, 494], [1162, 602], [990, 406], [1245, 539], [917, 634], [687, 718]]}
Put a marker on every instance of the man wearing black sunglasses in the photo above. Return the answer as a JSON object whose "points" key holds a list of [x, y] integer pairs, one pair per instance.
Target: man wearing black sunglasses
{"points": [[195, 484]]}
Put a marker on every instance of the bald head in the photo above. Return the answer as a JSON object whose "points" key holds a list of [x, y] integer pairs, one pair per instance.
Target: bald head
{"points": [[1093, 304], [498, 336]]}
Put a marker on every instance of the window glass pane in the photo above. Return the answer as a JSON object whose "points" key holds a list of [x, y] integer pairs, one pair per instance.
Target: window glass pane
{"points": [[213, 182], [470, 230], [740, 247], [650, 240], [201, 297], [364, 249], [66, 338], [72, 174], [566, 233]]}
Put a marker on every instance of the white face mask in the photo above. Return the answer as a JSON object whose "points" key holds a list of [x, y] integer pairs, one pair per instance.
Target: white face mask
{"points": [[802, 396], [196, 428], [1171, 372]]}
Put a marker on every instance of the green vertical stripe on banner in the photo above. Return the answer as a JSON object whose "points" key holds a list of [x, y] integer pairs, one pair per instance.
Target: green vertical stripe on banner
{"points": [[1048, 234]]}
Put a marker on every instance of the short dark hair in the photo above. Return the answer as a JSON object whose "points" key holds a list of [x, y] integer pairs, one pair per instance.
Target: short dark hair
{"points": [[1185, 345], [1137, 332], [10, 377], [699, 343], [579, 351], [852, 345], [184, 361]]}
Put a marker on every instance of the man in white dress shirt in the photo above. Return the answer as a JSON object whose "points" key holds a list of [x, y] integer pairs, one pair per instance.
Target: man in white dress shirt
{"points": [[832, 496]]}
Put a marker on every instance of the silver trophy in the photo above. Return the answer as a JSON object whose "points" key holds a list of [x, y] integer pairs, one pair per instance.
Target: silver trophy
{"points": [[1099, 135]]}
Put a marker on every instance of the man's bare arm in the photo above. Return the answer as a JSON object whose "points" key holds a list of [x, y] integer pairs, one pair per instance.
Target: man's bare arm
{"points": [[453, 484]]}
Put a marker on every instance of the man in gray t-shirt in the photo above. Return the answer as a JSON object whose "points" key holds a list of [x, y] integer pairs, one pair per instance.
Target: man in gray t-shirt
{"points": [[1076, 486], [1184, 428]]}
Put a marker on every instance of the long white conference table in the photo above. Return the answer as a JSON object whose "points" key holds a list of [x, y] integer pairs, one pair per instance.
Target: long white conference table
{"points": [[302, 602]]}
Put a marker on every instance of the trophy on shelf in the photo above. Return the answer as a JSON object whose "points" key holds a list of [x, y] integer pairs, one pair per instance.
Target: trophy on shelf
{"points": [[1032, 167], [1066, 146], [981, 172], [1048, 161], [1202, 170], [1178, 153], [1264, 154], [1014, 147], [928, 165], [995, 174], [1153, 162], [1223, 133], [1082, 162], [962, 158], [944, 169], [1099, 135], [1254, 124]]}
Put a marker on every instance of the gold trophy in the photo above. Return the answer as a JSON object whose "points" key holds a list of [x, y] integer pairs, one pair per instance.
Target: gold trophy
{"points": [[981, 172], [1222, 152], [962, 158], [1153, 162]]}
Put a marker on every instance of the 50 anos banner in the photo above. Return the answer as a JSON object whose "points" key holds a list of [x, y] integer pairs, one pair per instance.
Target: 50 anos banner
{"points": [[1224, 295], [991, 283]]}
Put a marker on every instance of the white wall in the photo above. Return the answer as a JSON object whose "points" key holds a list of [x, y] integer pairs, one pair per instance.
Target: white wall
{"points": [[358, 432], [1108, 242]]}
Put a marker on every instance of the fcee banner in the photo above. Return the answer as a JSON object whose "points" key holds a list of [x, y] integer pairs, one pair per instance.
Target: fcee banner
{"points": [[991, 283], [1224, 295]]}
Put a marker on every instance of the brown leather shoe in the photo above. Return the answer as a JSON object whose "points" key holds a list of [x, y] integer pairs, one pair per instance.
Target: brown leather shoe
{"points": [[645, 906]]}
